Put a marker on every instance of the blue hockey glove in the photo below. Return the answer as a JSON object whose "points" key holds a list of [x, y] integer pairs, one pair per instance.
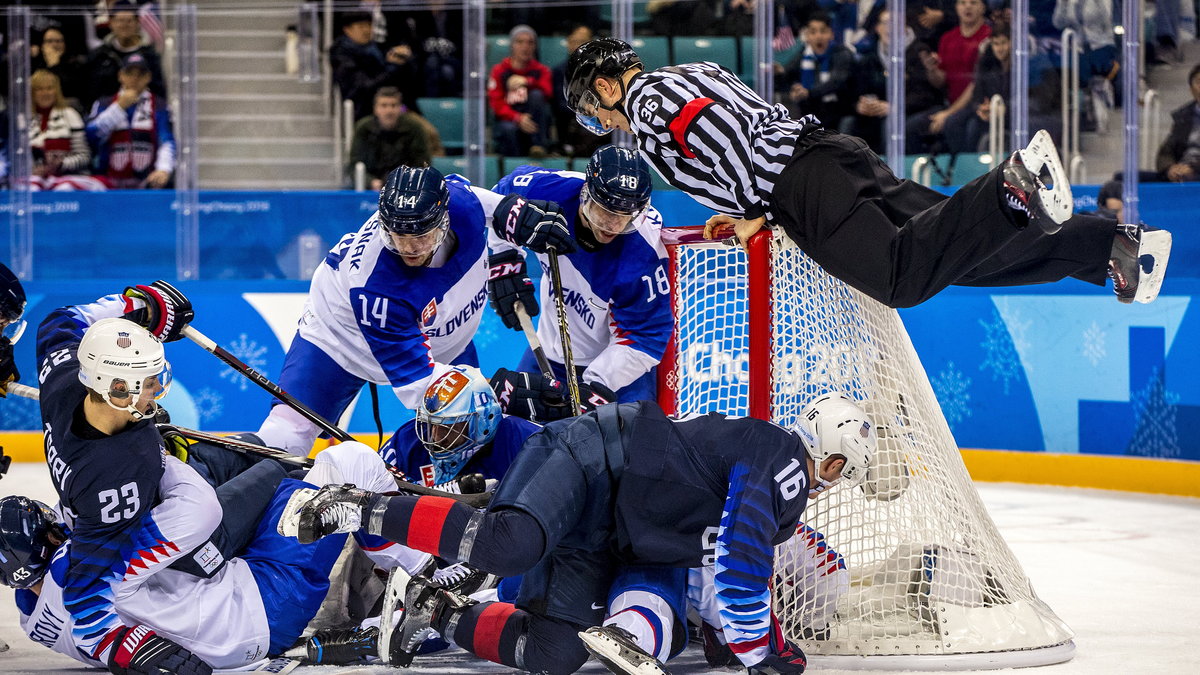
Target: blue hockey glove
{"points": [[535, 223]]}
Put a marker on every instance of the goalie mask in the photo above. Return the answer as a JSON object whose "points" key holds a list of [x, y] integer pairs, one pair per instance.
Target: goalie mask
{"points": [[125, 364], [457, 417], [26, 526], [835, 425]]}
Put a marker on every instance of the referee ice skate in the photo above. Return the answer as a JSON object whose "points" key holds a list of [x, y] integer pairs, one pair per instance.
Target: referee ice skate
{"points": [[899, 242]]}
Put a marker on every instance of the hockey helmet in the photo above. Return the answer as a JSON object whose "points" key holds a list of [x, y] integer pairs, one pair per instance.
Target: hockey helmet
{"points": [[835, 425], [25, 547], [120, 359], [414, 200], [458, 415], [12, 304], [616, 190], [602, 57]]}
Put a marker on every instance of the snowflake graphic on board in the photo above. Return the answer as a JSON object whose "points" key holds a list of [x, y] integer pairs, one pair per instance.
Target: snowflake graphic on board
{"points": [[209, 404], [952, 389], [1155, 410], [248, 352], [1094, 339], [20, 414], [1001, 344]]}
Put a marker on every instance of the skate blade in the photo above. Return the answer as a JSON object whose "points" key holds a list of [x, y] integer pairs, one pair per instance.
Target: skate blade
{"points": [[393, 594], [1157, 245], [289, 520], [1041, 155], [617, 658]]}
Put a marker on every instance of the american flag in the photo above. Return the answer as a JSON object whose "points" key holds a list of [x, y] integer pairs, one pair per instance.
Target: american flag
{"points": [[152, 24], [784, 39]]}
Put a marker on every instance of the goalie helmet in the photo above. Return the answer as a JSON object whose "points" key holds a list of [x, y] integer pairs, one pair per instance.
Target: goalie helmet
{"points": [[12, 304], [118, 358], [457, 417], [616, 190], [414, 201], [835, 425], [25, 546], [602, 57]]}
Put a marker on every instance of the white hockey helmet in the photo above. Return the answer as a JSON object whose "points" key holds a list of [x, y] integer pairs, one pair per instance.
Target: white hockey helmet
{"points": [[458, 415], [118, 358], [835, 425]]}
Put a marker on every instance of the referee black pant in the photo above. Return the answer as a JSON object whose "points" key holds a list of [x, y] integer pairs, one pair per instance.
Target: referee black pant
{"points": [[901, 242]]}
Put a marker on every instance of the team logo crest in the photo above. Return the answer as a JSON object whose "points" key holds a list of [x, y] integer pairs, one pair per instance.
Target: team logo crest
{"points": [[444, 390], [429, 313], [124, 341]]}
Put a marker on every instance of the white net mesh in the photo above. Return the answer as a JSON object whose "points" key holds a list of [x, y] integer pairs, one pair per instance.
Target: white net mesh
{"points": [[917, 566]]}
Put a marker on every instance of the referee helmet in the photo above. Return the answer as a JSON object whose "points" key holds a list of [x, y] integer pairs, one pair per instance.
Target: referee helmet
{"points": [[603, 57]]}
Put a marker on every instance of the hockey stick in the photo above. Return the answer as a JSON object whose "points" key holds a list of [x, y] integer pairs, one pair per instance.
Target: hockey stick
{"points": [[531, 336], [24, 391], [564, 331], [258, 378], [476, 500]]}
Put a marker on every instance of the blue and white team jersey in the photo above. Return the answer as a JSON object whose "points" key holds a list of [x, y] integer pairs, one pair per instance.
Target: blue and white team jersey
{"points": [[388, 323], [408, 454], [618, 298]]}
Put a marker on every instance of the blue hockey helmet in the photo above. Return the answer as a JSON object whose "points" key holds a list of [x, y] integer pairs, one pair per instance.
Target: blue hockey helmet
{"points": [[414, 201], [26, 528], [12, 304], [602, 57], [457, 417], [616, 190]]}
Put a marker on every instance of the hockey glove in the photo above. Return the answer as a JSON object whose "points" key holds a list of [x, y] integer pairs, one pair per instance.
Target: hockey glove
{"points": [[8, 366], [535, 223], [166, 311], [508, 282], [176, 445], [542, 399], [785, 658], [593, 395], [138, 650]]}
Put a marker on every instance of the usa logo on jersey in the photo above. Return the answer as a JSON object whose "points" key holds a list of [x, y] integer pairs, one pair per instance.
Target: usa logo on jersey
{"points": [[429, 314]]}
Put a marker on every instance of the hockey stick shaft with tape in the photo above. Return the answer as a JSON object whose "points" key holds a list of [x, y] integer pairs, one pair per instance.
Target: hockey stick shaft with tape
{"points": [[564, 331], [531, 336], [24, 391]]}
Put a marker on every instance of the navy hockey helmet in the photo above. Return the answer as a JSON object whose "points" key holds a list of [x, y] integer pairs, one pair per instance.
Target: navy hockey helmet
{"points": [[12, 304], [25, 547], [616, 190], [602, 57], [414, 201]]}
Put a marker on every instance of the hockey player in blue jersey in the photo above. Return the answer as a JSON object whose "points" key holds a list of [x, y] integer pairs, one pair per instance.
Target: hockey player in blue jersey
{"points": [[619, 485], [458, 430], [614, 277], [395, 303]]}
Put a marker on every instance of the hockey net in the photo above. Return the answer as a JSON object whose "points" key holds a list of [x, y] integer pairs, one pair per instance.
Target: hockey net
{"points": [[911, 571]]}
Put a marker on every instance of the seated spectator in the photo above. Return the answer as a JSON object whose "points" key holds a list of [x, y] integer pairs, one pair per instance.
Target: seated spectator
{"points": [[60, 152], [360, 66], [820, 75], [968, 125], [124, 40], [1092, 20], [131, 132], [390, 137], [1179, 155], [957, 51], [54, 57], [1110, 203], [923, 82], [573, 139], [520, 93], [931, 19]]}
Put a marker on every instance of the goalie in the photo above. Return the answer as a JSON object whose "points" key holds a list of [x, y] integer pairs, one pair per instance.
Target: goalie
{"points": [[620, 485]]}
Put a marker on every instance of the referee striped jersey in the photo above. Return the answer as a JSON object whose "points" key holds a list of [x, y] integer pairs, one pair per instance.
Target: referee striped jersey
{"points": [[708, 134]]}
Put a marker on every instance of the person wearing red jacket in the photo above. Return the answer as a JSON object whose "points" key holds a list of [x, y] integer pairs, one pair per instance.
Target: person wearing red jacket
{"points": [[519, 92]]}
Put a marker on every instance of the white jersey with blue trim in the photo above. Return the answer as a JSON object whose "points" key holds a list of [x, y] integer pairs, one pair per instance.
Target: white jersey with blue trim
{"points": [[618, 297], [392, 324]]}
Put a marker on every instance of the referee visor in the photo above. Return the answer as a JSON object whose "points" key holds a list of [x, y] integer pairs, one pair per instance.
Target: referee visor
{"points": [[586, 113]]}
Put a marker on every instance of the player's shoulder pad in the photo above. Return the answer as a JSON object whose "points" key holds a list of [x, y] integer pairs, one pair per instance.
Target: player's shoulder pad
{"points": [[458, 178]]}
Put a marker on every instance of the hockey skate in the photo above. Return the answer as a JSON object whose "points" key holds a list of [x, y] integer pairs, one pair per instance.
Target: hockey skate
{"points": [[1025, 191], [339, 647], [614, 647], [426, 605], [1139, 262], [312, 514]]}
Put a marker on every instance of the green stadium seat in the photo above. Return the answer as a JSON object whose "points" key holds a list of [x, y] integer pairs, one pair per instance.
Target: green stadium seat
{"points": [[552, 50], [449, 165], [969, 166], [722, 50], [509, 164], [447, 115], [497, 49], [654, 51]]}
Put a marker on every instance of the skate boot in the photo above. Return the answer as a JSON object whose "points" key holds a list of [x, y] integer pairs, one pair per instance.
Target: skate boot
{"points": [[427, 608], [616, 649], [464, 580], [1138, 262], [312, 514], [1025, 190], [339, 647]]}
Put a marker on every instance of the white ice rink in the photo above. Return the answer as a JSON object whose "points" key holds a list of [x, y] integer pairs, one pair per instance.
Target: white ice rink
{"points": [[1121, 569]]}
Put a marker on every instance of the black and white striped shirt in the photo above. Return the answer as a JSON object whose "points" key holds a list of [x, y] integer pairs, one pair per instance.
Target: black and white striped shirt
{"points": [[708, 134]]}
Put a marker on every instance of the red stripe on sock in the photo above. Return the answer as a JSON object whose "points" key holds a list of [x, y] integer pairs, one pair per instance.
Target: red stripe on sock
{"points": [[425, 527], [488, 629]]}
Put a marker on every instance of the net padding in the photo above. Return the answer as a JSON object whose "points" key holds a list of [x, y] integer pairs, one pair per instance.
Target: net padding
{"points": [[910, 563]]}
